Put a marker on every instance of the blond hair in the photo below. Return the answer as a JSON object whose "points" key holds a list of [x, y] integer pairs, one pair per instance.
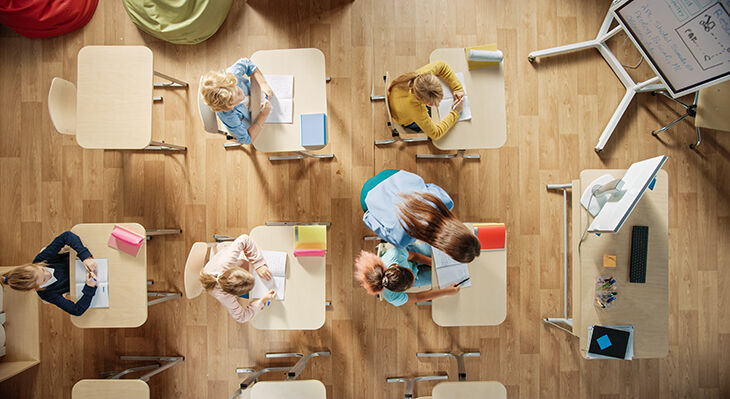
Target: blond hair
{"points": [[218, 90], [23, 277], [426, 87], [235, 281]]}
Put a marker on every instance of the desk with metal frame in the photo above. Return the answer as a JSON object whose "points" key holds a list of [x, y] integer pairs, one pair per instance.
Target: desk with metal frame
{"points": [[114, 93], [643, 305]]}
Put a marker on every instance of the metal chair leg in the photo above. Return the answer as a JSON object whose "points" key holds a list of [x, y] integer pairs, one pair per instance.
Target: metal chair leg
{"points": [[411, 382], [161, 232], [169, 361], [165, 296], [459, 359], [173, 82], [699, 139]]}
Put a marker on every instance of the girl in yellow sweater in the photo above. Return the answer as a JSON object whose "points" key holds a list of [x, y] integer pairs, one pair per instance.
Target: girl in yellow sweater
{"points": [[412, 95]]}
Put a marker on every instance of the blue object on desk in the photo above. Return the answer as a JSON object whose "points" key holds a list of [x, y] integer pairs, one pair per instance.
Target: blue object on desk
{"points": [[651, 185], [604, 342], [314, 130]]}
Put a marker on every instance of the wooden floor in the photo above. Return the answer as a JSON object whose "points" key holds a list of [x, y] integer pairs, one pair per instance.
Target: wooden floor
{"points": [[556, 110]]}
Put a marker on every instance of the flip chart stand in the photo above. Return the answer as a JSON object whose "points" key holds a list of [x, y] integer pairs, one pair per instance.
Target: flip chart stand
{"points": [[599, 43], [565, 320]]}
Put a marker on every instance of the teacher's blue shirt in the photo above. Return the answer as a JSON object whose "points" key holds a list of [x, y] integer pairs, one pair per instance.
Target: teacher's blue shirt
{"points": [[238, 120], [382, 205]]}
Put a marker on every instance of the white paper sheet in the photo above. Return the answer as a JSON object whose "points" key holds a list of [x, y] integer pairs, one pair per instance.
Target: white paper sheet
{"points": [[450, 271], [282, 103], [448, 100], [101, 297], [276, 262]]}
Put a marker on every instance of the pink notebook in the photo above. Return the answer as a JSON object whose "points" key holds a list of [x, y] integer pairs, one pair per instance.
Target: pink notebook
{"points": [[124, 240]]}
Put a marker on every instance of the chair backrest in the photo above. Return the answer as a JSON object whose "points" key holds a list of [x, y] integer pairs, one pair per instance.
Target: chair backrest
{"points": [[207, 115], [393, 124], [712, 105], [62, 105], [193, 266]]}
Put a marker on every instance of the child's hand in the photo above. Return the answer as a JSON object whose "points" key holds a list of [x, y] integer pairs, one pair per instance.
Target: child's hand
{"points": [[90, 265], [269, 296], [90, 279], [266, 89], [452, 289], [458, 95], [266, 107], [264, 272], [458, 104]]}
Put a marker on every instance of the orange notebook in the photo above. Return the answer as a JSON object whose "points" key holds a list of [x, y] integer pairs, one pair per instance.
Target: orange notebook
{"points": [[492, 236]]}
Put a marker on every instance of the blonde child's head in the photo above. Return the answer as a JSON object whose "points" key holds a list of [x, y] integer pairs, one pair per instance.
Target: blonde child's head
{"points": [[235, 281], [374, 276], [25, 277], [426, 88], [219, 91]]}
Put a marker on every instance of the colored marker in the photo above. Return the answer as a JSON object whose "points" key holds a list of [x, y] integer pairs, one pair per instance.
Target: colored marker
{"points": [[462, 281]]}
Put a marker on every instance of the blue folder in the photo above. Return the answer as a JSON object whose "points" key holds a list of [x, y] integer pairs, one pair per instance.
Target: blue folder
{"points": [[314, 130]]}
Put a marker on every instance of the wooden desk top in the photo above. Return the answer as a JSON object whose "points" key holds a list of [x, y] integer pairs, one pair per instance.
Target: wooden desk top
{"points": [[305, 389], [485, 90], [303, 307], [482, 304], [110, 389], [645, 306], [469, 390], [114, 97], [127, 279], [22, 339], [310, 95]]}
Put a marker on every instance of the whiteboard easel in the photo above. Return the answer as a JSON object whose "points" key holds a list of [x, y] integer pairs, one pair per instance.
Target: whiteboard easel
{"points": [[599, 43]]}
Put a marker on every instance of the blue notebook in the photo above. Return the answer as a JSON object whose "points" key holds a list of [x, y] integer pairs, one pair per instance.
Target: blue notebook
{"points": [[314, 130]]}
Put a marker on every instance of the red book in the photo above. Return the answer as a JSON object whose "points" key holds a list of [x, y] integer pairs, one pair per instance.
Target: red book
{"points": [[491, 236]]}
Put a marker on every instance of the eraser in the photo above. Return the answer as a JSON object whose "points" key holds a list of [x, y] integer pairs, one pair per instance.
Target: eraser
{"points": [[609, 260]]}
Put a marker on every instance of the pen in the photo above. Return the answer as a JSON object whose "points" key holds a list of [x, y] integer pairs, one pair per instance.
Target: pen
{"points": [[93, 276], [462, 281], [268, 303]]}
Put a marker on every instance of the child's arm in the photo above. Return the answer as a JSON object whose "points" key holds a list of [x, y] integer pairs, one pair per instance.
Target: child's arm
{"points": [[419, 258], [258, 125], [263, 84], [431, 294], [63, 239]]}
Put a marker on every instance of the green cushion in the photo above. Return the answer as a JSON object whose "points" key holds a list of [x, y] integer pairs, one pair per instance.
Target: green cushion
{"points": [[178, 21]]}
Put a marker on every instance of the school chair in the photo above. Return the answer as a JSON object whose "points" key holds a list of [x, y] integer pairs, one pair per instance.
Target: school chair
{"points": [[396, 130], [62, 106], [210, 122], [292, 372], [193, 265], [709, 110]]}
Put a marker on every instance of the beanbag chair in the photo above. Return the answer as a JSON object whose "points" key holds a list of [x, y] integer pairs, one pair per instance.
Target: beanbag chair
{"points": [[46, 18], [178, 21]]}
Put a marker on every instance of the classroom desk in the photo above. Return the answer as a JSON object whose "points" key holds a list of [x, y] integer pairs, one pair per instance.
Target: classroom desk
{"points": [[303, 307], [482, 304], [305, 389], [645, 306], [469, 390], [310, 96], [110, 389], [22, 331], [127, 279], [485, 90], [114, 99]]}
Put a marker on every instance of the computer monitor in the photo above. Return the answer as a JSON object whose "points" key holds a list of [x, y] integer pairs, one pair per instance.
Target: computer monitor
{"points": [[611, 200]]}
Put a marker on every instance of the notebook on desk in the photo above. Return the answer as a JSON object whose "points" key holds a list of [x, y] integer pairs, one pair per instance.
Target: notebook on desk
{"points": [[276, 262], [448, 100], [310, 240], [608, 342], [282, 102], [450, 271], [101, 297]]}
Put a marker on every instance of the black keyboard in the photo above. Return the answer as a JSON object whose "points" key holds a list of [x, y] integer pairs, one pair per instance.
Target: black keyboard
{"points": [[639, 242]]}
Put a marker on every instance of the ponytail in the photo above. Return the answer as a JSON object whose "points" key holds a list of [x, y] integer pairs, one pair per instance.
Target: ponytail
{"points": [[23, 277], [208, 281], [235, 281], [375, 277], [425, 217]]}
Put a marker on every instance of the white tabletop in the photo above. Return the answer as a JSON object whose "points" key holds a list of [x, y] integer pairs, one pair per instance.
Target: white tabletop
{"points": [[310, 95], [303, 307], [485, 90], [127, 279], [114, 97], [482, 304], [305, 389], [110, 389], [469, 390]]}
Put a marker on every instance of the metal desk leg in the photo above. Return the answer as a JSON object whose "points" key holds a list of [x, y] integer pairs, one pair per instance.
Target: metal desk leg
{"points": [[161, 232], [173, 82], [162, 146], [410, 382], [302, 155], [169, 361], [255, 374], [459, 153], [165, 296], [328, 224], [556, 321], [459, 359], [297, 369]]}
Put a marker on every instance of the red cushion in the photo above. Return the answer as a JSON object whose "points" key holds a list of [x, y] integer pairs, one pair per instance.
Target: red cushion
{"points": [[46, 18]]}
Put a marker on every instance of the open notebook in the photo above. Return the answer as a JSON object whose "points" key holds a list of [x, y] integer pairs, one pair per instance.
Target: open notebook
{"points": [[448, 100], [282, 103], [450, 271], [101, 298], [276, 262]]}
